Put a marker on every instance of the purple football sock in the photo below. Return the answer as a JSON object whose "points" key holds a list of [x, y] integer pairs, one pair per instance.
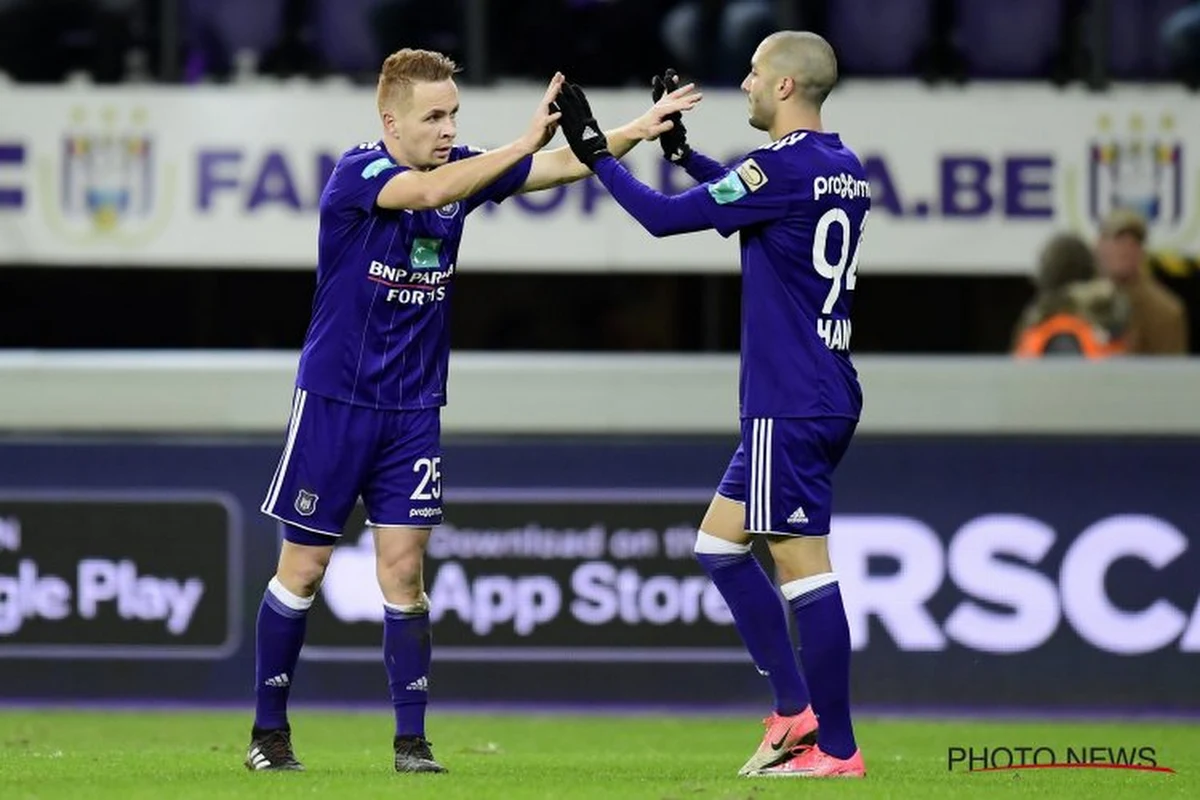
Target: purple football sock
{"points": [[279, 635], [760, 619], [407, 652], [825, 656]]}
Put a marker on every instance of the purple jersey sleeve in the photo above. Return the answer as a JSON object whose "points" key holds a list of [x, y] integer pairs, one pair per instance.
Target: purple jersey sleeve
{"points": [[703, 169], [747, 196], [500, 189], [359, 177], [708, 206], [659, 214]]}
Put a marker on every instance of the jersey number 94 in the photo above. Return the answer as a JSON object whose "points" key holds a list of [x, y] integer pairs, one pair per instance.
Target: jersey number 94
{"points": [[838, 270]]}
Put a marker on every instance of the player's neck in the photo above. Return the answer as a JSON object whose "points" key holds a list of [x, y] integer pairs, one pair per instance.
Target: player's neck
{"points": [[794, 119], [398, 155]]}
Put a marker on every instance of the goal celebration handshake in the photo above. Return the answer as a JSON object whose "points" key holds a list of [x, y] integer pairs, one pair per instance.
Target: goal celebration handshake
{"points": [[664, 121]]}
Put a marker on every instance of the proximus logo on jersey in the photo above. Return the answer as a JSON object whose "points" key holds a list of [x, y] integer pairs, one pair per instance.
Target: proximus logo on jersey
{"points": [[845, 186]]}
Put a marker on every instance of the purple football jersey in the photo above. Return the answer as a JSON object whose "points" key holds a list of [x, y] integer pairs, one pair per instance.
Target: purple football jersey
{"points": [[800, 203], [379, 335]]}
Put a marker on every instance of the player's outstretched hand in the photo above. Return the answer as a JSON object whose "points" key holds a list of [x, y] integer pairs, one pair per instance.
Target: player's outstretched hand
{"points": [[670, 100], [579, 125], [545, 119]]}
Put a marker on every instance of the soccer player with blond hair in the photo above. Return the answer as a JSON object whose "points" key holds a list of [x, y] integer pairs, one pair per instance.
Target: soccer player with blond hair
{"points": [[371, 381]]}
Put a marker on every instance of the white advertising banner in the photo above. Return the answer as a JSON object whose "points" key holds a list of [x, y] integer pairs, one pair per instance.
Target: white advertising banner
{"points": [[964, 180]]}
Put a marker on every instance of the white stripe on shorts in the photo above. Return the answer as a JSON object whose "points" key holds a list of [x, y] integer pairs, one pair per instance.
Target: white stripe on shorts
{"points": [[752, 482], [759, 491], [268, 505], [767, 447]]}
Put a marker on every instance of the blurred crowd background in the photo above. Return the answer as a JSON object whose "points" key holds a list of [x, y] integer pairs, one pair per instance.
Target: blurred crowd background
{"points": [[607, 42], [1117, 294]]}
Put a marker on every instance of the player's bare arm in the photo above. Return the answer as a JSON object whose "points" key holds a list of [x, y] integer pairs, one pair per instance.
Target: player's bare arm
{"points": [[436, 186], [556, 167]]}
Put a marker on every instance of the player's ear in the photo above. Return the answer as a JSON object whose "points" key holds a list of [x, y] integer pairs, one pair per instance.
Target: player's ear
{"points": [[389, 122], [787, 87]]}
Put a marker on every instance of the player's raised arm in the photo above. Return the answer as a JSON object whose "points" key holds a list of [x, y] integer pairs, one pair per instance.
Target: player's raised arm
{"points": [[711, 205], [559, 166], [429, 187], [674, 143]]}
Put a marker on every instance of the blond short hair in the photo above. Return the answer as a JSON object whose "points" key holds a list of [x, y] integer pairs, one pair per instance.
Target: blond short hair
{"points": [[405, 67], [1125, 221]]}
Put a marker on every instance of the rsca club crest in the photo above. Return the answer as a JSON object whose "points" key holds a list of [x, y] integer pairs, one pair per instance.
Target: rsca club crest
{"points": [[108, 182], [306, 503], [1139, 164]]}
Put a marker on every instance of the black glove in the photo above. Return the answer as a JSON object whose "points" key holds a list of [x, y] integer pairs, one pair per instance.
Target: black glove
{"points": [[578, 124], [674, 142]]}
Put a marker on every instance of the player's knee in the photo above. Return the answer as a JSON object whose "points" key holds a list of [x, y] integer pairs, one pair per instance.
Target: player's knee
{"points": [[301, 569], [707, 544], [302, 581], [399, 572], [401, 579], [799, 557], [417, 608], [401, 564], [725, 519]]}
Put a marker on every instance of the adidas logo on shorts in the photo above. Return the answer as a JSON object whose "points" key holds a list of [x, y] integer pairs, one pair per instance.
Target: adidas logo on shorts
{"points": [[798, 517], [421, 684]]}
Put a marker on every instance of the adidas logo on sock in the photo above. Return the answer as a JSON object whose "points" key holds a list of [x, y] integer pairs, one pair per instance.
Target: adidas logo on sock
{"points": [[798, 517], [590, 133], [280, 681], [421, 684]]}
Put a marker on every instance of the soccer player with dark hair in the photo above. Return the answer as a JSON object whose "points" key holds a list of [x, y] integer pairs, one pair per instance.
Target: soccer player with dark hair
{"points": [[799, 205], [371, 382]]}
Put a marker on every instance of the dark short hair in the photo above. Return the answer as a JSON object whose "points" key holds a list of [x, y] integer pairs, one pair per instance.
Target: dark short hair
{"points": [[1064, 260]]}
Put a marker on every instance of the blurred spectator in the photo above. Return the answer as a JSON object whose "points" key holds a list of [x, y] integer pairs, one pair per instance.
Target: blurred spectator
{"points": [[1022, 39], [1073, 313], [882, 38], [1180, 273], [419, 23], [44, 41], [239, 39], [1181, 43], [345, 36], [713, 40], [593, 42], [1158, 322], [1135, 35]]}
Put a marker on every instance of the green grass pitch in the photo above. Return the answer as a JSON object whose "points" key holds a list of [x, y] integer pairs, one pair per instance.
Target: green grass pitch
{"points": [[163, 755]]}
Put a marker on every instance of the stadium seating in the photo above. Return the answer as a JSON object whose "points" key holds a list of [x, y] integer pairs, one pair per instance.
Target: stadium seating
{"points": [[879, 37], [1135, 51], [1008, 38]]}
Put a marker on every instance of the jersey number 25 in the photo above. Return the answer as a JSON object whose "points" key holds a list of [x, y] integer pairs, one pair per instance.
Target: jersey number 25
{"points": [[834, 272]]}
